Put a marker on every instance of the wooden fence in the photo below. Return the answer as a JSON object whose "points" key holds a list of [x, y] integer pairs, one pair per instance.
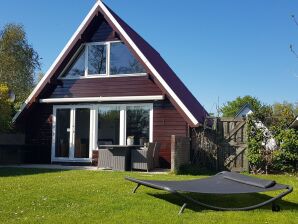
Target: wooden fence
{"points": [[222, 147]]}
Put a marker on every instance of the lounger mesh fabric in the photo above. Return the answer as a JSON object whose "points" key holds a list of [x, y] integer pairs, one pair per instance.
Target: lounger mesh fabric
{"points": [[221, 183]]}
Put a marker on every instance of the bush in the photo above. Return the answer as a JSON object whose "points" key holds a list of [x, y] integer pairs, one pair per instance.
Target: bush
{"points": [[286, 158], [283, 159]]}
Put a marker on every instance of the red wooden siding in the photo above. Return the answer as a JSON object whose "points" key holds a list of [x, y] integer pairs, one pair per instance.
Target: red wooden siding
{"points": [[39, 126], [103, 33], [117, 86], [166, 122]]}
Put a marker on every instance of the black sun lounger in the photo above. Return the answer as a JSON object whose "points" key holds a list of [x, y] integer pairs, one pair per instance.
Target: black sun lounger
{"points": [[223, 183]]}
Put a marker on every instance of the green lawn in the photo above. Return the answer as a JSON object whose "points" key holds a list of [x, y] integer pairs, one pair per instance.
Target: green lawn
{"points": [[43, 196]]}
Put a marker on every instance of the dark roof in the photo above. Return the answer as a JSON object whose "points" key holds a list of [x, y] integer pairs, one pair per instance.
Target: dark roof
{"points": [[247, 105], [165, 71], [294, 124], [193, 112]]}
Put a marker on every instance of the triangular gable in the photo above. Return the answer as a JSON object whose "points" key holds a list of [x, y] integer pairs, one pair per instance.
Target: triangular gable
{"points": [[163, 75]]}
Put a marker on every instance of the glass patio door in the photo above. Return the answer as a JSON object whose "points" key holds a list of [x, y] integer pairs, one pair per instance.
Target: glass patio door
{"points": [[71, 133], [62, 138], [81, 133]]}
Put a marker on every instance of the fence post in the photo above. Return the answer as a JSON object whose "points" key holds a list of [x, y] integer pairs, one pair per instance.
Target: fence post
{"points": [[180, 152]]}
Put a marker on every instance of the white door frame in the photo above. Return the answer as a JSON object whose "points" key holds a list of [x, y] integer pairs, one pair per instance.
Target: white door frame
{"points": [[71, 157]]}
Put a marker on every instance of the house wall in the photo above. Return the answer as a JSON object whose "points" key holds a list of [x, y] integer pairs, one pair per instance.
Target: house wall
{"points": [[166, 122], [38, 126], [95, 87]]}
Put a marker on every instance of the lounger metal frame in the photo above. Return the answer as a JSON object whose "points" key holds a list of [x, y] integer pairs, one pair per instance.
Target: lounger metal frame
{"points": [[275, 207]]}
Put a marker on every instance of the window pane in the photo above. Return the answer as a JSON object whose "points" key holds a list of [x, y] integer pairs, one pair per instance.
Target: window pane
{"points": [[82, 132], [77, 68], [137, 124], [108, 126], [96, 59], [62, 132], [122, 61]]}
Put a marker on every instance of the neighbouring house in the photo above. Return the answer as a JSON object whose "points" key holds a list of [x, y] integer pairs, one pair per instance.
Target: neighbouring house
{"points": [[244, 111], [270, 143], [106, 86], [295, 124]]}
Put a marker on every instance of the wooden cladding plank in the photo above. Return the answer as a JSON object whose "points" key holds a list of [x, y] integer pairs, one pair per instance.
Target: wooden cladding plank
{"points": [[235, 129], [122, 86], [166, 122]]}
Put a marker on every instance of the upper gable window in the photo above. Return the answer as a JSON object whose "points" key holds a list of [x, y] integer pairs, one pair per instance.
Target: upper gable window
{"points": [[97, 56], [103, 60], [122, 61], [77, 67]]}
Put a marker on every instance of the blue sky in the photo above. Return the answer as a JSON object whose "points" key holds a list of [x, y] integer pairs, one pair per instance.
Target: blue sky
{"points": [[220, 49]]}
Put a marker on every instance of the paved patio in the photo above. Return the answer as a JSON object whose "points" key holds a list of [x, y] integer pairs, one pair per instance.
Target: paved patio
{"points": [[64, 167]]}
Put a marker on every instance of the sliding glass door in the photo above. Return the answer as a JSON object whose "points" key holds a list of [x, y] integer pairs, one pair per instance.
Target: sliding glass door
{"points": [[82, 133], [62, 137], [71, 133], [138, 124], [108, 125], [79, 129], [118, 123]]}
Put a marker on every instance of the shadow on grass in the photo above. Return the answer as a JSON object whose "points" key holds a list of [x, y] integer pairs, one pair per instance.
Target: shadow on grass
{"points": [[195, 170], [13, 172], [226, 201]]}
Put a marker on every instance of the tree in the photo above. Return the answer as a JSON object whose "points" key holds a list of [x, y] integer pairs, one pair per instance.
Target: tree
{"points": [[285, 156], [18, 61], [283, 114], [231, 108], [5, 109]]}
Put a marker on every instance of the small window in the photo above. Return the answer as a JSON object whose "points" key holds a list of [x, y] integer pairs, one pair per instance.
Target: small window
{"points": [[122, 61], [97, 60], [77, 68]]}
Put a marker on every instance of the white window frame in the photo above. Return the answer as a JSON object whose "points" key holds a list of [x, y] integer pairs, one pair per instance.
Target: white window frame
{"points": [[71, 156], [87, 46], [108, 61], [122, 125]]}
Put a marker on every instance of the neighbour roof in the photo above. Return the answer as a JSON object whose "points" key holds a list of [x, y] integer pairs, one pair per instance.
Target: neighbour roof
{"points": [[163, 75], [245, 106], [295, 123]]}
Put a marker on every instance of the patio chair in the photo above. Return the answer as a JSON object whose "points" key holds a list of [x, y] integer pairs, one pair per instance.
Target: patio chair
{"points": [[143, 159], [223, 183]]}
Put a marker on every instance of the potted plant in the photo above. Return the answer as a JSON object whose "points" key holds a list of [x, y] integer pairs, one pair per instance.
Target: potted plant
{"points": [[130, 140]]}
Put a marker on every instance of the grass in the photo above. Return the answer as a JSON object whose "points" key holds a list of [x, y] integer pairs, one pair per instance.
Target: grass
{"points": [[52, 196]]}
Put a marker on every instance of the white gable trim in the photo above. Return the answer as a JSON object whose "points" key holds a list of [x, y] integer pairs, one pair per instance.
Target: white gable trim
{"points": [[132, 44], [102, 99], [38, 86]]}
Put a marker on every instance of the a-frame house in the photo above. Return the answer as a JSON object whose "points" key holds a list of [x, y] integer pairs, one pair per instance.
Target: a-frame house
{"points": [[107, 85]]}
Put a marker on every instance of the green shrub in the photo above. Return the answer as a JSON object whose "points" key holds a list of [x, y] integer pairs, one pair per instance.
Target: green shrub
{"points": [[286, 158], [255, 147]]}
